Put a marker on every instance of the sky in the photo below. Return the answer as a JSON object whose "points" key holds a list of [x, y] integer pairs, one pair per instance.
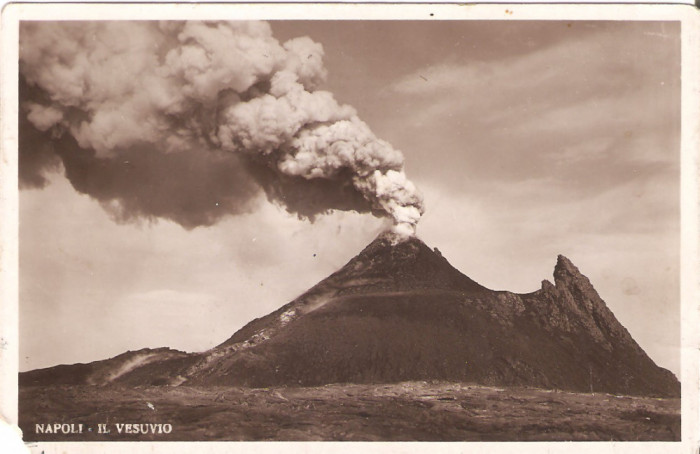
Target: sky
{"points": [[526, 140]]}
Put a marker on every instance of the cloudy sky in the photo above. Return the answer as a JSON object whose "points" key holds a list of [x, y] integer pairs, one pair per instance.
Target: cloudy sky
{"points": [[526, 139]]}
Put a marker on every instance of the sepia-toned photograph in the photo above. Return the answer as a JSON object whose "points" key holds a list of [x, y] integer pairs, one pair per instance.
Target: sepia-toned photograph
{"points": [[349, 230]]}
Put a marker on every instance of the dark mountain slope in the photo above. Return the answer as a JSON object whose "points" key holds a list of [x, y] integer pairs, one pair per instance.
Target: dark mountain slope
{"points": [[399, 311], [116, 369], [402, 312]]}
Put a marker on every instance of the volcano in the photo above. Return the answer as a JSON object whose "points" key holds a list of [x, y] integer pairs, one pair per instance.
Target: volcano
{"points": [[399, 311]]}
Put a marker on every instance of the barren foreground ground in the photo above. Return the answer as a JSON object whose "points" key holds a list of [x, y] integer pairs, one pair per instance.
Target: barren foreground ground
{"points": [[403, 411]]}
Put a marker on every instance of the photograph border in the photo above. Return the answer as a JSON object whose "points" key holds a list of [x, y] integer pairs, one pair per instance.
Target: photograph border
{"points": [[690, 140]]}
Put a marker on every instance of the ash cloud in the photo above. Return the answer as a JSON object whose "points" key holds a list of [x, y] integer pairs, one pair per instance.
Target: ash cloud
{"points": [[191, 120]]}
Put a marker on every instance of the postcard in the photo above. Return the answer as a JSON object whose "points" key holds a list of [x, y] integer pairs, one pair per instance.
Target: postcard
{"points": [[297, 227]]}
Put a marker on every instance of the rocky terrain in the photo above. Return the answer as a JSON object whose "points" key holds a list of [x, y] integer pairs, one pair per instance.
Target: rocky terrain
{"points": [[406, 411]]}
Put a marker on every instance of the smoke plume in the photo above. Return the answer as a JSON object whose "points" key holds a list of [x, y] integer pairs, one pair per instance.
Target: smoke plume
{"points": [[190, 120]]}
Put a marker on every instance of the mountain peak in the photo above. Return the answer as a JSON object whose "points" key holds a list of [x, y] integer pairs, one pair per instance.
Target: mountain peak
{"points": [[564, 265], [406, 262], [399, 311], [566, 274], [397, 246]]}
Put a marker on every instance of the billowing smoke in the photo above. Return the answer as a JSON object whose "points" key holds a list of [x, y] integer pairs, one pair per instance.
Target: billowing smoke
{"points": [[189, 120]]}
